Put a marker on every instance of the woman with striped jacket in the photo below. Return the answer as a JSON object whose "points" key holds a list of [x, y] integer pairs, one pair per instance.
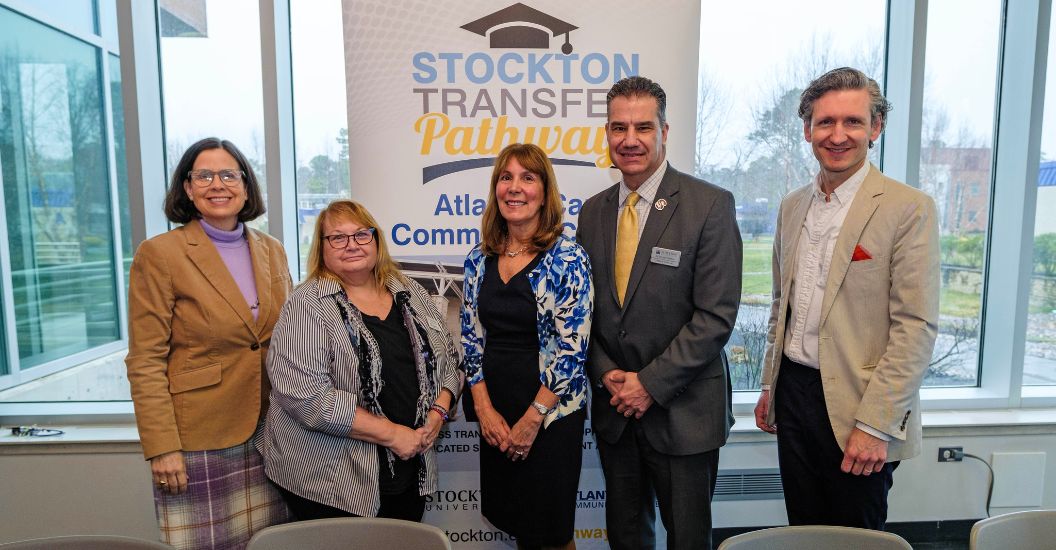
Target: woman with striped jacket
{"points": [[363, 372]]}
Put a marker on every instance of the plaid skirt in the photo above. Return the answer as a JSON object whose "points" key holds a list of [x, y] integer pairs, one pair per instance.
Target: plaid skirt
{"points": [[228, 499]]}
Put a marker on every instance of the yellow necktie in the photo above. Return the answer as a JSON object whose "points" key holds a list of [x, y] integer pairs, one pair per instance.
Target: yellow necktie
{"points": [[626, 244]]}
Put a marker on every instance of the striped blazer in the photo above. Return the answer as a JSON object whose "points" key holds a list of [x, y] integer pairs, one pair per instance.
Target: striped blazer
{"points": [[314, 370]]}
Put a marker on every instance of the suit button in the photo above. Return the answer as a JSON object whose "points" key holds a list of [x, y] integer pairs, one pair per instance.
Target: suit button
{"points": [[255, 346], [623, 334]]}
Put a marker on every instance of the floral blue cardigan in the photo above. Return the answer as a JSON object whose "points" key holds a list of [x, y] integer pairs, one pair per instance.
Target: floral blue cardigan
{"points": [[564, 300]]}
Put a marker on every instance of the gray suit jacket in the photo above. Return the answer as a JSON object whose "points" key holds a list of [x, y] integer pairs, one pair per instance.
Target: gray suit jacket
{"points": [[879, 317], [675, 320]]}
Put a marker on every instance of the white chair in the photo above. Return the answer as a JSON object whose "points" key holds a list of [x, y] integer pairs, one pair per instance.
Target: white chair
{"points": [[350, 534], [86, 542], [1033, 530], [815, 537]]}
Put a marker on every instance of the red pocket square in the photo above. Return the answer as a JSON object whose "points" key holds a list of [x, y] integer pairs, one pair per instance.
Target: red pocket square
{"points": [[860, 254]]}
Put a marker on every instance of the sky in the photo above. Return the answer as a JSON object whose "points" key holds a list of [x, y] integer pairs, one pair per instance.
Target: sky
{"points": [[213, 85]]}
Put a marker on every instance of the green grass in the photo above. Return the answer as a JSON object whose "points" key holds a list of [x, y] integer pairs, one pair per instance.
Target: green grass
{"points": [[756, 266], [757, 280], [958, 304]]}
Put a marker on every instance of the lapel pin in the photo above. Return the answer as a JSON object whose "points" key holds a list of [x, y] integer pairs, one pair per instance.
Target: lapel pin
{"points": [[660, 204]]}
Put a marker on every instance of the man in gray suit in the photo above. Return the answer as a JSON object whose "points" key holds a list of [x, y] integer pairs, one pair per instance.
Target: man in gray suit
{"points": [[666, 257]]}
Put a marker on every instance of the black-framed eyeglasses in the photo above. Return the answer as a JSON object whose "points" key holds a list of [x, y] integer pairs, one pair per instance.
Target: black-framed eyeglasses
{"points": [[204, 178], [362, 237]]}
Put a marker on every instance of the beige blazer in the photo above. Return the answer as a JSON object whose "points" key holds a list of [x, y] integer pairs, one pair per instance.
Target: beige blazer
{"points": [[879, 317], [195, 354]]}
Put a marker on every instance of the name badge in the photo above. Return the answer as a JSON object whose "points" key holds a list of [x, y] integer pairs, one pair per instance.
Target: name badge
{"points": [[665, 256]]}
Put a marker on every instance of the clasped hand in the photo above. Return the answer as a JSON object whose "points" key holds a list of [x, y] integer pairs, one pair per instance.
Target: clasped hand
{"points": [[408, 443], [629, 396], [515, 442]]}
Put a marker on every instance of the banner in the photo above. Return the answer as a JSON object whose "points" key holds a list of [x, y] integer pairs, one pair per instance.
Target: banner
{"points": [[436, 90]]}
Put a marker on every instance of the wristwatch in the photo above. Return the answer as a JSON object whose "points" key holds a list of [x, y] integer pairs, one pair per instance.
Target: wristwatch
{"points": [[543, 410]]}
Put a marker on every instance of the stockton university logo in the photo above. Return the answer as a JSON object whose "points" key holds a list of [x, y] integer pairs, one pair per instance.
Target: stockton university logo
{"points": [[475, 103], [521, 26]]}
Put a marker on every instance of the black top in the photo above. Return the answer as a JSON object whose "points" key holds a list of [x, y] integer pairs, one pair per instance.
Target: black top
{"points": [[399, 392]]}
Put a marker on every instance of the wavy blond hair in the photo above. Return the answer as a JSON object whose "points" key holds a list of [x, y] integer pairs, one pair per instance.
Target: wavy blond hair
{"points": [[352, 212]]}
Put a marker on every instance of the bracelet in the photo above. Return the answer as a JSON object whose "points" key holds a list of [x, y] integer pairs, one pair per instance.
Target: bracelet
{"points": [[543, 409], [439, 410]]}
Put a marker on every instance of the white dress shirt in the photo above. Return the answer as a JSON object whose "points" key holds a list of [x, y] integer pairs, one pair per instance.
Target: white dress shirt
{"points": [[817, 239]]}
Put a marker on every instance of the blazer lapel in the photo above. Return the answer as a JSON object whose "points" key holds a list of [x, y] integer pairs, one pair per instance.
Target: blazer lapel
{"points": [[608, 223], [209, 262], [261, 259], [654, 228], [792, 229], [865, 203]]}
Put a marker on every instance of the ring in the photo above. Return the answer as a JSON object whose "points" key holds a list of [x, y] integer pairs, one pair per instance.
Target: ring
{"points": [[518, 453], [868, 470], [163, 483]]}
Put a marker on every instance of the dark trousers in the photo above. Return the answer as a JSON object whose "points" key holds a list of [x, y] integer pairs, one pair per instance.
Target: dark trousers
{"points": [[408, 505], [637, 477], [817, 492]]}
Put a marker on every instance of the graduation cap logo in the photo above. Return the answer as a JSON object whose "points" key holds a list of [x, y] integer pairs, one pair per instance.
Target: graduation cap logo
{"points": [[518, 26]]}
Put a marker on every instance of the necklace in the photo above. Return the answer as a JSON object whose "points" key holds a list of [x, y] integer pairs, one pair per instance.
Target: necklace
{"points": [[517, 253]]}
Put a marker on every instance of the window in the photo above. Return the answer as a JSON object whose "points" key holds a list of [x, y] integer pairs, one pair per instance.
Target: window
{"points": [[121, 167], [955, 159], [750, 139], [1039, 362], [211, 79], [77, 15], [53, 154], [317, 44]]}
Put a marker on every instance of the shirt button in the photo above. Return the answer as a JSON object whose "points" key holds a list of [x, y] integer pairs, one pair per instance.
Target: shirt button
{"points": [[623, 334], [255, 346]]}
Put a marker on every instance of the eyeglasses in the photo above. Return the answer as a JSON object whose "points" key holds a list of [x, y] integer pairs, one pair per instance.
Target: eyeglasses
{"points": [[362, 237], [204, 178]]}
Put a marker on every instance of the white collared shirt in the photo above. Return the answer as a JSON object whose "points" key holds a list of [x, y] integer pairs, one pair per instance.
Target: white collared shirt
{"points": [[817, 239], [646, 193]]}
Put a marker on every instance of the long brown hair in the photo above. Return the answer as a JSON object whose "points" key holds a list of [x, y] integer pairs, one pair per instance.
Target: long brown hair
{"points": [[494, 231]]}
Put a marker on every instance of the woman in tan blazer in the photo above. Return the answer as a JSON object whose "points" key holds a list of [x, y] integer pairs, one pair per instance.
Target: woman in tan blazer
{"points": [[203, 299]]}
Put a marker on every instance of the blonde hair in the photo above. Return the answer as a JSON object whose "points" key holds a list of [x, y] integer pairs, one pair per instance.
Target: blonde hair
{"points": [[494, 231], [353, 212]]}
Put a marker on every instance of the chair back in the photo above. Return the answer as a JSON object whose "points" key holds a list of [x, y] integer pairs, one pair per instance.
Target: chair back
{"points": [[1034, 529], [350, 534], [815, 537], [86, 542]]}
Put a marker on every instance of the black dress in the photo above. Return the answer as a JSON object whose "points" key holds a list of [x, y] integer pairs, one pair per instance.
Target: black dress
{"points": [[533, 499]]}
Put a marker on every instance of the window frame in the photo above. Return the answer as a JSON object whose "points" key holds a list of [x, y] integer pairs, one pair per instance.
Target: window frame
{"points": [[1022, 69]]}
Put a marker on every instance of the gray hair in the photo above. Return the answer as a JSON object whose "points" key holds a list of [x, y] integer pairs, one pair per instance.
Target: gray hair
{"points": [[844, 78], [635, 86]]}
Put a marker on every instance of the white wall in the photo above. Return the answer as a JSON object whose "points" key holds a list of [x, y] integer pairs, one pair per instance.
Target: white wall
{"points": [[104, 488]]}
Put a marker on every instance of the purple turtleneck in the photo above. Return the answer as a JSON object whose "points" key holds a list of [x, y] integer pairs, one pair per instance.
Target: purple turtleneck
{"points": [[234, 250]]}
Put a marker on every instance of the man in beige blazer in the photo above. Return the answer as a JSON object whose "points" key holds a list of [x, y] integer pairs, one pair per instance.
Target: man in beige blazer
{"points": [[853, 318]]}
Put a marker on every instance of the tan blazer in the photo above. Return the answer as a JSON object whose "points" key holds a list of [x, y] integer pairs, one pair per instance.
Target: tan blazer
{"points": [[195, 355], [879, 317]]}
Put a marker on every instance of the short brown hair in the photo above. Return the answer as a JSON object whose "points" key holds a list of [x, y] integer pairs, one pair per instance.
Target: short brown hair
{"points": [[845, 78], [350, 211], [494, 231], [179, 208]]}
